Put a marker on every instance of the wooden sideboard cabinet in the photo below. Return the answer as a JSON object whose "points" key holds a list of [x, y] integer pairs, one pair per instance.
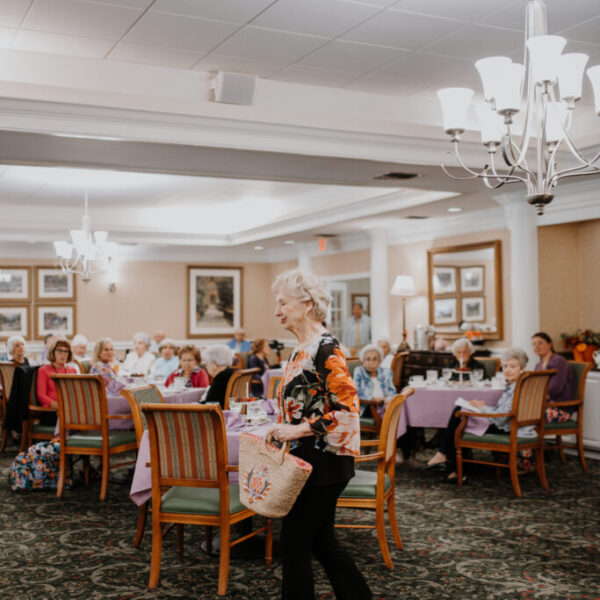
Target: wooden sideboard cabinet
{"points": [[591, 411]]}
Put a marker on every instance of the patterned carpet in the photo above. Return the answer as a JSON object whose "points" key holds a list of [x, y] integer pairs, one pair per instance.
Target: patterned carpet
{"points": [[479, 543]]}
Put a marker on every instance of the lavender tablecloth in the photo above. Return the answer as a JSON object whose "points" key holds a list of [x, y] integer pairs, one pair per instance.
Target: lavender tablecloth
{"points": [[141, 486], [266, 378], [433, 406]]}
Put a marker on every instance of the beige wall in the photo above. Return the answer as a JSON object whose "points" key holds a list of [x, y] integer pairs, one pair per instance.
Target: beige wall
{"points": [[569, 277]]}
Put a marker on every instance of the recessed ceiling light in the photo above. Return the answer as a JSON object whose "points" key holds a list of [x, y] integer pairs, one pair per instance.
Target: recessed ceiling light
{"points": [[289, 242], [259, 247], [454, 209]]}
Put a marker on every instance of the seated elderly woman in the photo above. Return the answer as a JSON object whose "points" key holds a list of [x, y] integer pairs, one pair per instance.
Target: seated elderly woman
{"points": [[79, 345], [189, 368], [373, 382], [140, 359], [219, 359], [513, 363], [58, 356], [103, 360], [168, 360], [463, 358], [15, 351], [386, 349]]}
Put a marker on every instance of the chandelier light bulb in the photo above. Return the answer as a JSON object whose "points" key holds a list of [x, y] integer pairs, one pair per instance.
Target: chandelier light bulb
{"points": [[455, 106], [487, 68], [545, 52], [490, 123], [508, 89], [593, 74], [570, 75]]}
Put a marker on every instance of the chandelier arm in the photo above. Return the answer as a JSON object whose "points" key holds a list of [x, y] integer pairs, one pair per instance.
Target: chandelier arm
{"points": [[474, 174], [511, 161], [509, 177], [595, 171], [584, 161]]}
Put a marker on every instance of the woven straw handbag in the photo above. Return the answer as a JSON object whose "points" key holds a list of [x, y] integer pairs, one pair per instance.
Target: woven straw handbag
{"points": [[270, 477]]}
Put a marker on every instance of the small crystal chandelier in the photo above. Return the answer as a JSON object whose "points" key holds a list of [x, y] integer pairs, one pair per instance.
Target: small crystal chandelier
{"points": [[93, 253], [553, 83]]}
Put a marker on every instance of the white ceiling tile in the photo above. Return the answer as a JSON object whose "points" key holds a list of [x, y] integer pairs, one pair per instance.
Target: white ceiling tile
{"points": [[350, 56], [328, 18], [315, 76], [235, 11], [376, 83], [265, 44], [477, 41], [586, 32], [237, 64], [7, 35], [182, 33], [140, 4], [401, 29], [12, 12], [154, 55], [465, 9], [380, 3], [57, 43], [83, 19]]}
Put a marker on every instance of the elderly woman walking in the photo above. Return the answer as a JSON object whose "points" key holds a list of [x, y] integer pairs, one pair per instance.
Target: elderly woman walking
{"points": [[319, 415]]}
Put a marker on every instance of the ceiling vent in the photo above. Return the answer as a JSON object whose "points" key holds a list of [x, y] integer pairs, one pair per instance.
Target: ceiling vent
{"points": [[416, 217], [233, 88], [397, 175]]}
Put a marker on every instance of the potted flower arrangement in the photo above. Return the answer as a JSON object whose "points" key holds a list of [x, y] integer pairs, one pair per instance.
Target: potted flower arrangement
{"points": [[583, 342]]}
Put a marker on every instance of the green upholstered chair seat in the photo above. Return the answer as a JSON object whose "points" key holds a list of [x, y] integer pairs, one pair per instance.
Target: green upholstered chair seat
{"points": [[367, 421], [199, 501], [364, 485], [570, 424], [497, 438], [94, 440], [38, 428]]}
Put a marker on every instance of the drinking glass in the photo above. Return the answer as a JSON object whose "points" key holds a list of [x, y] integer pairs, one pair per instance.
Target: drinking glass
{"points": [[477, 375], [447, 374]]}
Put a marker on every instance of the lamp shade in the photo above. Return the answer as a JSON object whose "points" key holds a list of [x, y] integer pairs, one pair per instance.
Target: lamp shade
{"points": [[545, 51], [455, 105], [63, 249], [487, 68], [570, 75], [490, 123], [594, 75], [509, 84], [404, 285]]}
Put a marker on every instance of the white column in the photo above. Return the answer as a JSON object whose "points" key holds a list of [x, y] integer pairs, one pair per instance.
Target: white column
{"points": [[380, 286], [524, 283], [303, 257]]}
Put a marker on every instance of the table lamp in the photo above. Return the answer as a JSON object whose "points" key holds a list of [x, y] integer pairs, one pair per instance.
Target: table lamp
{"points": [[404, 286]]}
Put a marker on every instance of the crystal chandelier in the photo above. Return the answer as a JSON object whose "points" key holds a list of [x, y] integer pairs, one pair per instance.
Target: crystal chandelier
{"points": [[88, 252], [552, 84]]}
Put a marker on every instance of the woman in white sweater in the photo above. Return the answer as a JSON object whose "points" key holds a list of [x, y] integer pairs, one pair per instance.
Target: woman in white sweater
{"points": [[140, 359]]}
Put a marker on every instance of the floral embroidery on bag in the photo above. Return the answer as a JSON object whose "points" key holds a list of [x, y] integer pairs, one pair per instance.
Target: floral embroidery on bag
{"points": [[257, 483]]}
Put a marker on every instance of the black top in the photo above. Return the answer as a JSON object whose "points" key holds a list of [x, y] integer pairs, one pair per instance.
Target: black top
{"points": [[216, 391], [262, 364], [472, 363]]}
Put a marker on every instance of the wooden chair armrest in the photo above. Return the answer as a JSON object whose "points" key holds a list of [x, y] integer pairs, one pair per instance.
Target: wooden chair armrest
{"points": [[232, 468], [364, 443], [36, 408], [463, 413], [566, 403], [369, 402], [121, 417], [366, 457]]}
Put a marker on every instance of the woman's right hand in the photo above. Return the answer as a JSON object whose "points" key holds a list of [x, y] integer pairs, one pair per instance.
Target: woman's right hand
{"points": [[477, 403]]}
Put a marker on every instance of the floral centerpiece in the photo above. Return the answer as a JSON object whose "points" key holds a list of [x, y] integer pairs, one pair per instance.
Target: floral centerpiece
{"points": [[584, 342]]}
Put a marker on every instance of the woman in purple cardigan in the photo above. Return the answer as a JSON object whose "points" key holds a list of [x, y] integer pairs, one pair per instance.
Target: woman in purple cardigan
{"points": [[561, 387]]}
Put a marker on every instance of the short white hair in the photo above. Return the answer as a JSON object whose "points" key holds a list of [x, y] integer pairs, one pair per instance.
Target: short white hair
{"points": [[220, 354], [167, 342], [516, 354], [463, 343], [370, 348], [144, 337], [304, 286], [79, 339], [10, 343]]}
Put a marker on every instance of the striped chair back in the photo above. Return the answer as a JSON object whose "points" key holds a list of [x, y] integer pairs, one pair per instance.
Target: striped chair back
{"points": [[187, 444], [146, 394], [7, 374], [274, 386], [530, 396], [81, 400], [389, 425]]}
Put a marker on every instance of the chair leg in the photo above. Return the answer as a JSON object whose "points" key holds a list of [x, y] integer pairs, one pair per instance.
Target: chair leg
{"points": [[459, 466], [141, 524], [224, 559], [105, 470], [86, 470], [541, 467], [62, 466], [208, 536], [269, 542], [391, 507], [380, 526], [514, 475], [580, 451], [156, 552], [4, 440], [179, 541], [561, 449]]}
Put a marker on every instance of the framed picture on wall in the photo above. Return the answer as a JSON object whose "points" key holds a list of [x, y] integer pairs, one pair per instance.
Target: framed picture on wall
{"points": [[15, 284], [364, 300], [14, 320], [471, 279], [53, 284], [54, 320], [473, 309], [444, 280], [214, 301], [444, 311]]}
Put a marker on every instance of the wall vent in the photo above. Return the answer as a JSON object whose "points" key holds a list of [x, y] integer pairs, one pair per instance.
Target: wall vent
{"points": [[397, 175]]}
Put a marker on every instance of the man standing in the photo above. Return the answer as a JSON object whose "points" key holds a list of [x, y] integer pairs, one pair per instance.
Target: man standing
{"points": [[238, 344], [357, 329]]}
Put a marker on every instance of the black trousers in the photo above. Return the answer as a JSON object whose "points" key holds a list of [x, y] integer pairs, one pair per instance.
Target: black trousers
{"points": [[308, 530]]}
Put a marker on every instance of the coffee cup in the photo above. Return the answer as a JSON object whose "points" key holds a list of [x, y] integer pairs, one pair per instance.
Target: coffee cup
{"points": [[416, 381], [432, 375]]}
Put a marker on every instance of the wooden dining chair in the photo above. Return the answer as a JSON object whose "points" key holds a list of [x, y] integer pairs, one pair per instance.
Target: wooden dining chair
{"points": [[370, 421], [83, 414], [528, 408], [397, 369], [188, 455], [491, 365], [148, 394], [353, 362], [239, 384], [7, 374], [374, 490], [572, 426], [33, 430], [273, 387]]}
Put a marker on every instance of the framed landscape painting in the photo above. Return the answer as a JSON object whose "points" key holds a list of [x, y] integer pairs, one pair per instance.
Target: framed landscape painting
{"points": [[471, 279], [444, 311], [54, 320], [53, 284], [14, 320], [15, 284], [214, 301], [444, 280], [473, 309]]}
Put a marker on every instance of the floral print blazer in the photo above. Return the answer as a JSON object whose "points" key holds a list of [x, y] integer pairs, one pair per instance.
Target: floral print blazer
{"points": [[317, 388]]}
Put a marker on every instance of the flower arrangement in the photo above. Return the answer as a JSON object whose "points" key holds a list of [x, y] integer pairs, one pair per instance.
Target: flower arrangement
{"points": [[581, 336]]}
